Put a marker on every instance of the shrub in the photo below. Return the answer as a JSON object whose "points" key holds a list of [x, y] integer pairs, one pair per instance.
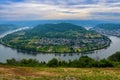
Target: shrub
{"points": [[115, 57], [53, 63], [105, 63]]}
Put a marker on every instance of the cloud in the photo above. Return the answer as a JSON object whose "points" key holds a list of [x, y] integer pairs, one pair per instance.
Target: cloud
{"points": [[59, 9]]}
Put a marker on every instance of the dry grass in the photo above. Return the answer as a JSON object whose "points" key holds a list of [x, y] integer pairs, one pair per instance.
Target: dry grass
{"points": [[29, 73]]}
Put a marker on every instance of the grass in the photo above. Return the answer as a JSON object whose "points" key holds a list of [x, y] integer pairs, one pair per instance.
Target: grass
{"points": [[40, 73]]}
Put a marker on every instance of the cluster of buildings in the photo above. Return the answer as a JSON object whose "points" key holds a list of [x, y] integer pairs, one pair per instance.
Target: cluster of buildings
{"points": [[109, 32], [75, 43]]}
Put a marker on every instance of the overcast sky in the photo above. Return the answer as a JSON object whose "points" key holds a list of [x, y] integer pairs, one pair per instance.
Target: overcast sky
{"points": [[60, 9]]}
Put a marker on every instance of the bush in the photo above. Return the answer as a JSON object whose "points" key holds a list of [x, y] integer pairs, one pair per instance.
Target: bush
{"points": [[12, 61], [105, 63], [23, 62], [86, 61], [63, 63], [29, 62], [53, 63], [83, 61], [115, 57]]}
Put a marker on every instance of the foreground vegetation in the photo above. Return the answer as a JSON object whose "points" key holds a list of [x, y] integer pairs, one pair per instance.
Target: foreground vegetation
{"points": [[82, 62], [40, 73], [83, 69]]}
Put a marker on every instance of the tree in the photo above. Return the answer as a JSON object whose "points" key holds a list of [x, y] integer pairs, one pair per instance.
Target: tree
{"points": [[53, 63], [115, 57], [105, 63], [85, 61], [11, 61]]}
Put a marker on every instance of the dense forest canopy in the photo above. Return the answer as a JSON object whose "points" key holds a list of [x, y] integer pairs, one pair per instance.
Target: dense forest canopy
{"points": [[66, 30]]}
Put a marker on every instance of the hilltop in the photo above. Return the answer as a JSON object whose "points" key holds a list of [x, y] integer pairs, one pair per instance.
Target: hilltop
{"points": [[59, 30]]}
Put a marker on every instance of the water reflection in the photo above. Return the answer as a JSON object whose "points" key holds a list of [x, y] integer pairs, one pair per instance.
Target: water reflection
{"points": [[26, 52]]}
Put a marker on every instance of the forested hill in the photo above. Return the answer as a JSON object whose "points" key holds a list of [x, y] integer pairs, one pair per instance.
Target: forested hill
{"points": [[6, 27], [60, 27], [66, 30], [108, 26]]}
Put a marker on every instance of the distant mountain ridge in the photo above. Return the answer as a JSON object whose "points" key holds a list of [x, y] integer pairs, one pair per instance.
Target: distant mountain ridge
{"points": [[6, 27], [109, 29], [31, 23], [108, 26]]}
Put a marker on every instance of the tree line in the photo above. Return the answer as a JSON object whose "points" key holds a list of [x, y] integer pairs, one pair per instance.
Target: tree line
{"points": [[82, 62]]}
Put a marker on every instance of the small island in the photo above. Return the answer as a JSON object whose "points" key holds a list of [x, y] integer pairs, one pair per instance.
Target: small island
{"points": [[56, 38]]}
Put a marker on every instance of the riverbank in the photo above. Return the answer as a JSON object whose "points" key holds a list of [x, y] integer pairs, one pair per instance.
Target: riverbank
{"points": [[35, 73]]}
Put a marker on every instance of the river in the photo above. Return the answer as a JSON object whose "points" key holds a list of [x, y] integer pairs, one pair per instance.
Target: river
{"points": [[8, 53]]}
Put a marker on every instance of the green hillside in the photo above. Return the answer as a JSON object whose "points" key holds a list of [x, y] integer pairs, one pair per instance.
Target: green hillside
{"points": [[59, 30]]}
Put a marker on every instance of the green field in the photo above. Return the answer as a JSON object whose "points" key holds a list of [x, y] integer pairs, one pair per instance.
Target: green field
{"points": [[40, 73]]}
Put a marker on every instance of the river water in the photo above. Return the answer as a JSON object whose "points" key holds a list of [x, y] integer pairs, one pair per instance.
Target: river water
{"points": [[8, 53]]}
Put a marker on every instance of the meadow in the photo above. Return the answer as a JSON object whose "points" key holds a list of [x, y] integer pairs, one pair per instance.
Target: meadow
{"points": [[8, 72]]}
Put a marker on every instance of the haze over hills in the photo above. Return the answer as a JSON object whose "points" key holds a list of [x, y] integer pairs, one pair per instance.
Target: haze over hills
{"points": [[7, 27], [84, 23], [109, 28]]}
